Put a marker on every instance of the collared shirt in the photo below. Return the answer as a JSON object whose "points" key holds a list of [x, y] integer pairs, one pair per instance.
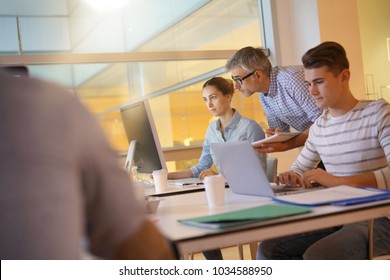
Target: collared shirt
{"points": [[239, 129], [288, 102]]}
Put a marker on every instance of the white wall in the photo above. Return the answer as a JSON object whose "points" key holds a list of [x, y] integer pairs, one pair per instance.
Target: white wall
{"points": [[339, 22], [295, 29], [302, 24], [374, 20]]}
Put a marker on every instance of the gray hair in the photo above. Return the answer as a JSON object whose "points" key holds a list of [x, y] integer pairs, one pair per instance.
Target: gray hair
{"points": [[250, 59]]}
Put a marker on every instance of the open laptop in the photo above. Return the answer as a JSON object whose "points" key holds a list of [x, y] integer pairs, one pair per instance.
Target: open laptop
{"points": [[243, 171]]}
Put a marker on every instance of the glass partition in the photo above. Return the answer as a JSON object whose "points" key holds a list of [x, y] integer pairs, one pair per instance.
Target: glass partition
{"points": [[81, 26], [160, 50], [184, 115]]}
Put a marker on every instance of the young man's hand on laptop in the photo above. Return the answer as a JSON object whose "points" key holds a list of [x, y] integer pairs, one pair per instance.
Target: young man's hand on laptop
{"points": [[289, 178], [311, 178]]}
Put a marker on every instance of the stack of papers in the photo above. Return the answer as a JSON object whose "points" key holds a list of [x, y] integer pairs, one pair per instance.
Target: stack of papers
{"points": [[340, 195], [245, 216]]}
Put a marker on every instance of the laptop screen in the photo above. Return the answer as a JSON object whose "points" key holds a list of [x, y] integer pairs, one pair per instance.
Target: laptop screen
{"points": [[242, 168]]}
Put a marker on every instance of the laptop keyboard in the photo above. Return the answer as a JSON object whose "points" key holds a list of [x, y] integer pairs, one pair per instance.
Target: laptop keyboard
{"points": [[284, 189]]}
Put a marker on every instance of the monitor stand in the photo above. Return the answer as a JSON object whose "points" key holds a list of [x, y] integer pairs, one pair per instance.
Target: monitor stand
{"points": [[130, 157]]}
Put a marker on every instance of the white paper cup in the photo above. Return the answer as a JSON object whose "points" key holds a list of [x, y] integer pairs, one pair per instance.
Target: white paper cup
{"points": [[215, 190], [139, 190], [160, 180]]}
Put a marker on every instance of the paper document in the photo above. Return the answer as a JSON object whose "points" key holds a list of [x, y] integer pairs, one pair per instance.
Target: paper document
{"points": [[276, 138], [341, 195], [245, 216]]}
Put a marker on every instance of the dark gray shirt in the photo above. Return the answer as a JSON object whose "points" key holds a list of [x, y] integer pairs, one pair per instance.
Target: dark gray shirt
{"points": [[59, 178]]}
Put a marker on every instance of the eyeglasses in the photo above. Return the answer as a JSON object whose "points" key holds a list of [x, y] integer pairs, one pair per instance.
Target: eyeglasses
{"points": [[240, 80]]}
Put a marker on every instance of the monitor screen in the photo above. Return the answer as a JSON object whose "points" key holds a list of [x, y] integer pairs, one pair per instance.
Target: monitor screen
{"points": [[139, 125], [16, 71]]}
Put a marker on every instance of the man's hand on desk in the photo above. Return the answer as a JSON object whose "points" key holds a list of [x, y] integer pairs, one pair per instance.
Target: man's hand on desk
{"points": [[319, 177], [323, 178]]}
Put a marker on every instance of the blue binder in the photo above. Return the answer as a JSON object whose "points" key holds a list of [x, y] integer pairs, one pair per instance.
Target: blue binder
{"points": [[346, 195]]}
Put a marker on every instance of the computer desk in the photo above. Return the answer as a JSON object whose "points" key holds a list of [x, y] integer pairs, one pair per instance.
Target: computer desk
{"points": [[190, 239], [173, 190]]}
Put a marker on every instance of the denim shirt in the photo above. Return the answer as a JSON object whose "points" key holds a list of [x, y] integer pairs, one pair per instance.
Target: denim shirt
{"points": [[239, 129]]}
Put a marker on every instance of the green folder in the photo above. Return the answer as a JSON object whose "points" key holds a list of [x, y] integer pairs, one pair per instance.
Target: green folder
{"points": [[245, 216]]}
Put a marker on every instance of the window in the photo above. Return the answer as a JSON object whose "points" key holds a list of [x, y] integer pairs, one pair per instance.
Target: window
{"points": [[162, 50]]}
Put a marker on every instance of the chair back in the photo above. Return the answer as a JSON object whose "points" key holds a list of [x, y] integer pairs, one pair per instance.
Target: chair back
{"points": [[272, 168]]}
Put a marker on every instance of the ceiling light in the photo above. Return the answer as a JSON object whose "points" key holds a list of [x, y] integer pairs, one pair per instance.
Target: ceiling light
{"points": [[104, 5]]}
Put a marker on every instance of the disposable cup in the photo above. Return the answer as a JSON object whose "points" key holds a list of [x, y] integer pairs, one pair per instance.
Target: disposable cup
{"points": [[215, 190], [139, 190], [160, 180]]}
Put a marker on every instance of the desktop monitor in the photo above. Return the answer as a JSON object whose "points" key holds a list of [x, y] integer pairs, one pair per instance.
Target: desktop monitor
{"points": [[16, 71], [144, 146]]}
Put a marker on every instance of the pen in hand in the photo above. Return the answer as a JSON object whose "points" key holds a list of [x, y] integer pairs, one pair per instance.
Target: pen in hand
{"points": [[272, 131]]}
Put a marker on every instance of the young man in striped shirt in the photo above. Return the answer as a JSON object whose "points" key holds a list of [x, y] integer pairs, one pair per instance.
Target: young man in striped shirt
{"points": [[352, 138]]}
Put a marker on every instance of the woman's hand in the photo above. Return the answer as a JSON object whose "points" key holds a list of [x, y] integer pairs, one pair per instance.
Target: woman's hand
{"points": [[207, 172]]}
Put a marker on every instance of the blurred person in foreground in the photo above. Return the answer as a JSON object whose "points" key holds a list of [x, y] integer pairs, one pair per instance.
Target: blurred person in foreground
{"points": [[61, 184]]}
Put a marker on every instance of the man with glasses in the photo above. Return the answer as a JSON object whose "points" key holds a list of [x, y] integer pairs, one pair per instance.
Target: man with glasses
{"points": [[282, 91]]}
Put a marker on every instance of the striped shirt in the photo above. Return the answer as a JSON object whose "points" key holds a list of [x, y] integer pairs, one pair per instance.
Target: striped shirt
{"points": [[354, 143], [288, 102]]}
